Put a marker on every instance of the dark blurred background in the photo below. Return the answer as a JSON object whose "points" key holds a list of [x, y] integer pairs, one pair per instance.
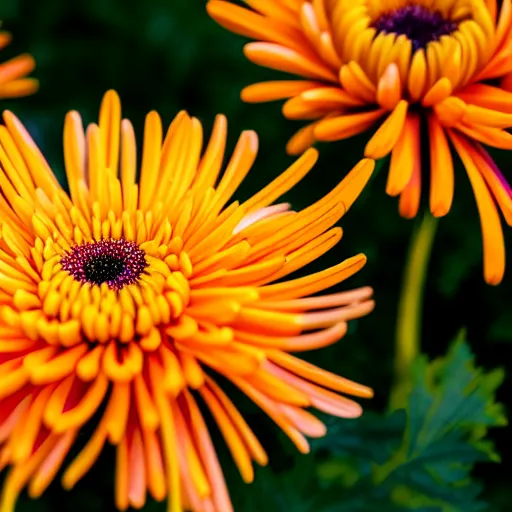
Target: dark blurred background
{"points": [[168, 55]]}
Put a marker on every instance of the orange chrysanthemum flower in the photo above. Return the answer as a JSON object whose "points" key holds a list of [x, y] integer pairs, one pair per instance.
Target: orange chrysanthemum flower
{"points": [[399, 63], [13, 81], [122, 301]]}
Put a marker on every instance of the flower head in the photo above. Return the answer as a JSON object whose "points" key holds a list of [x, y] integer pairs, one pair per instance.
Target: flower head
{"points": [[13, 81], [406, 67], [123, 301]]}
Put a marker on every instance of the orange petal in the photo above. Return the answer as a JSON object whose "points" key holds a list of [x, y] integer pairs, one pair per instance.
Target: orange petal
{"points": [[344, 126], [302, 140], [500, 65], [475, 115], [492, 233], [16, 68], [17, 88], [389, 89], [253, 25], [235, 443], [492, 7], [5, 39], [386, 136], [315, 282], [323, 400], [441, 169], [488, 135], [450, 111], [278, 57], [276, 90], [333, 97], [494, 179], [506, 82], [487, 96], [410, 197], [355, 81], [318, 376], [417, 75], [304, 421], [402, 157], [209, 456], [297, 108], [438, 92]]}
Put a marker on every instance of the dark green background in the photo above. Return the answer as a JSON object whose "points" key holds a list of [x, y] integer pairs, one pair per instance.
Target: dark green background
{"points": [[168, 55]]}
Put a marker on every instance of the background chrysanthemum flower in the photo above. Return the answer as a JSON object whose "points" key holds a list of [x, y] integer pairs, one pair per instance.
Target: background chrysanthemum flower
{"points": [[13, 73], [122, 301], [406, 66]]}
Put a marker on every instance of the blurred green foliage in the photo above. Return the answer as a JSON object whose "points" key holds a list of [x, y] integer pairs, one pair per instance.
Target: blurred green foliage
{"points": [[168, 55]]}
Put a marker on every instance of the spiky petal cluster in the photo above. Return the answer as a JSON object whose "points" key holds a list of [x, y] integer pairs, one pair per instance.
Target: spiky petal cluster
{"points": [[406, 67], [121, 304]]}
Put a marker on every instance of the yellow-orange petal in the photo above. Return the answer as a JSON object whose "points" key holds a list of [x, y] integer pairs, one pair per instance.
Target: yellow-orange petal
{"points": [[438, 92], [279, 57], [410, 196], [302, 140], [251, 24], [487, 96], [276, 90], [346, 125], [385, 137], [492, 233], [402, 157], [441, 169], [355, 81], [389, 88]]}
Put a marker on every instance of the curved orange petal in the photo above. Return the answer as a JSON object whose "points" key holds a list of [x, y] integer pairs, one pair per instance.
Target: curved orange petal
{"points": [[492, 233]]}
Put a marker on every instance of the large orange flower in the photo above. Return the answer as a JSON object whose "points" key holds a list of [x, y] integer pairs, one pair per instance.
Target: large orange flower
{"points": [[408, 66], [121, 302], [13, 81]]}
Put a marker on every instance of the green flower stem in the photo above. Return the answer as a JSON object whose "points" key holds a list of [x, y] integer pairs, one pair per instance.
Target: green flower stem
{"points": [[408, 331]]}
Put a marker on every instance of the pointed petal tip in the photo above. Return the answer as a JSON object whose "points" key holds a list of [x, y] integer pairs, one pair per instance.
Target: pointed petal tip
{"points": [[392, 190], [369, 162], [355, 181], [8, 113], [362, 258], [313, 151], [439, 211], [221, 121], [369, 393], [212, 7], [493, 277], [370, 306], [250, 48], [364, 292], [295, 149], [358, 261], [407, 209], [312, 155], [406, 214], [253, 138], [111, 95], [364, 168], [384, 139], [355, 411]]}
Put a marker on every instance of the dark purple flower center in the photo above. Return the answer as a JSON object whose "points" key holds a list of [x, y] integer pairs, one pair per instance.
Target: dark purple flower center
{"points": [[419, 24], [115, 262]]}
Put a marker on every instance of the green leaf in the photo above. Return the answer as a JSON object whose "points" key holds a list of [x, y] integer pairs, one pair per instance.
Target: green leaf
{"points": [[421, 458]]}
